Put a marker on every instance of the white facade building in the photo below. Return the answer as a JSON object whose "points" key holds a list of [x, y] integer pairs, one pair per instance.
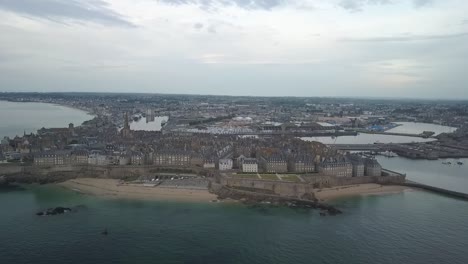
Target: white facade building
{"points": [[249, 165], [225, 164]]}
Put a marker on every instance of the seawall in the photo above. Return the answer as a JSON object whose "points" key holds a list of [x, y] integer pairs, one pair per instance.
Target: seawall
{"points": [[441, 191], [44, 174], [307, 188]]}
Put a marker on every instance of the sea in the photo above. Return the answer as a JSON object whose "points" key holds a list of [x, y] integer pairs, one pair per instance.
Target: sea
{"points": [[18, 118], [410, 227]]}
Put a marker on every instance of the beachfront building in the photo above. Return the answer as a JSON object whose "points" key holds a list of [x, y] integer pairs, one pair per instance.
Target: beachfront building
{"points": [[79, 157], [98, 159], [302, 164], [45, 158], [125, 159], [171, 158], [225, 164], [209, 164], [249, 165], [137, 158], [358, 165], [372, 167], [274, 164], [338, 167], [52, 158]]}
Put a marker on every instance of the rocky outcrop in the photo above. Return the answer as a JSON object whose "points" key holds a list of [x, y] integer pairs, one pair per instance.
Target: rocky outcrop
{"points": [[60, 210], [3, 180], [54, 211], [253, 198]]}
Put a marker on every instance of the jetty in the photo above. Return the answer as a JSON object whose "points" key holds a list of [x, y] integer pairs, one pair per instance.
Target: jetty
{"points": [[438, 190]]}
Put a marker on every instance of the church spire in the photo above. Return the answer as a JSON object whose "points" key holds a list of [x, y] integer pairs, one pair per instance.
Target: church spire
{"points": [[126, 125]]}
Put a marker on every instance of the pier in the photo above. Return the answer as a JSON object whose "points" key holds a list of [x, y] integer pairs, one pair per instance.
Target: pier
{"points": [[437, 190], [363, 147], [422, 135]]}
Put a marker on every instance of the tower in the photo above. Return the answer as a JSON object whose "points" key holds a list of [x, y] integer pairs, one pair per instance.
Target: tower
{"points": [[126, 125], [126, 132]]}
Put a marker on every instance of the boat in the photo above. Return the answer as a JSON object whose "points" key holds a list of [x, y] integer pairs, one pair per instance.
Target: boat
{"points": [[105, 233], [460, 163], [447, 163], [389, 154]]}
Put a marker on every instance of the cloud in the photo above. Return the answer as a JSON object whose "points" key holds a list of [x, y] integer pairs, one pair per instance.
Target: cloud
{"points": [[357, 5], [198, 26], [63, 10], [245, 4], [406, 37], [421, 3]]}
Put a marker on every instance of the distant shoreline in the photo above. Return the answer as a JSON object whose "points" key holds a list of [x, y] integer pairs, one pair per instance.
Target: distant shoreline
{"points": [[87, 111]]}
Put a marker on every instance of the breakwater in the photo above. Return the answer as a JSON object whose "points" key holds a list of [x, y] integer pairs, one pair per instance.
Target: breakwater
{"points": [[441, 191]]}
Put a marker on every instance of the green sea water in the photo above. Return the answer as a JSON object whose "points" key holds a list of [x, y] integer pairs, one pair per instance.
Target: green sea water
{"points": [[410, 227]]}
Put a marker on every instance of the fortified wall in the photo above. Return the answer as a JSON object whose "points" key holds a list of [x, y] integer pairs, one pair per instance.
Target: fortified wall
{"points": [[299, 189], [31, 173]]}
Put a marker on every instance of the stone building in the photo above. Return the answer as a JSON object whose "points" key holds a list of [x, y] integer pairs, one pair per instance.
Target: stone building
{"points": [[372, 167], [209, 164], [358, 165], [171, 158], [137, 158], [274, 164], [225, 164], [301, 164], [249, 165], [126, 132], [52, 158], [338, 167], [79, 157]]}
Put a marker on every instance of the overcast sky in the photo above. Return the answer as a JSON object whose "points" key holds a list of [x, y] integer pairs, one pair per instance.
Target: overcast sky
{"points": [[376, 48]]}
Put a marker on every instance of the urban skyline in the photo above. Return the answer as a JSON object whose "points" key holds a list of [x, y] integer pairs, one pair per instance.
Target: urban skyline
{"points": [[403, 49]]}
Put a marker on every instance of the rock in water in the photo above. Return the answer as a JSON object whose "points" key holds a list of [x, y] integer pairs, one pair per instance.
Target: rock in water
{"points": [[54, 211], [3, 180]]}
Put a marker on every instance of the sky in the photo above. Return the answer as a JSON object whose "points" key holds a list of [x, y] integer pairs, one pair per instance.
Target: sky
{"points": [[355, 48]]}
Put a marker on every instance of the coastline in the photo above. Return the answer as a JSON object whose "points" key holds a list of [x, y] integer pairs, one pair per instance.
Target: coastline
{"points": [[110, 188], [329, 194]]}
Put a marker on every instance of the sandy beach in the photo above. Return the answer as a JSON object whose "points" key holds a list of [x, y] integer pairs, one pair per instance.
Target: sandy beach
{"points": [[358, 189], [112, 189]]}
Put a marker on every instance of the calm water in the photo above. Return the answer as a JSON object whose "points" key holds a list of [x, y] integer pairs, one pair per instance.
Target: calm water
{"points": [[367, 139], [406, 127], [417, 128], [412, 227], [431, 172], [15, 118], [409, 227]]}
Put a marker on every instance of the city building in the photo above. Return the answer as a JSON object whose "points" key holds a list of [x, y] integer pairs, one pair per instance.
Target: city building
{"points": [[302, 164], [274, 164], [225, 164], [358, 165], [372, 167], [338, 167], [171, 158], [249, 165]]}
